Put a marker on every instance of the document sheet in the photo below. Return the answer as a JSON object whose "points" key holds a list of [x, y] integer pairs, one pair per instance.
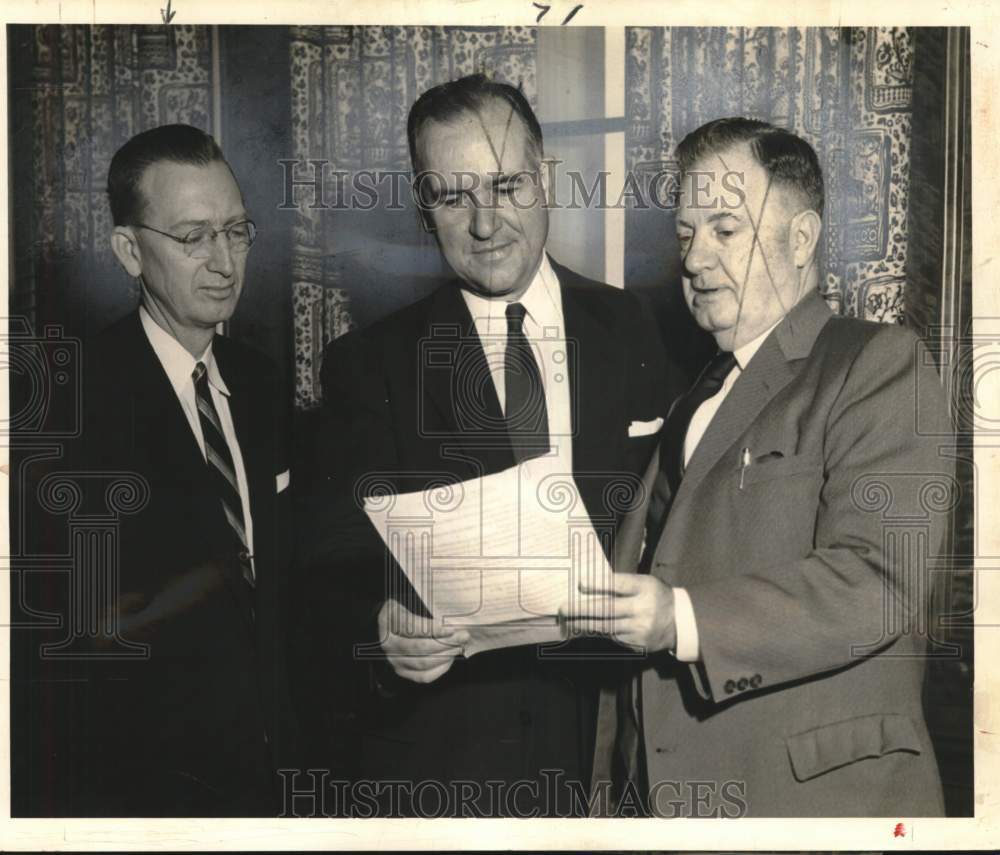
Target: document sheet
{"points": [[497, 555]]}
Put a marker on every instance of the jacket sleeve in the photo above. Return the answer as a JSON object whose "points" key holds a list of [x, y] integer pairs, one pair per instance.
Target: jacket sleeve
{"points": [[342, 555], [353, 440], [857, 590]]}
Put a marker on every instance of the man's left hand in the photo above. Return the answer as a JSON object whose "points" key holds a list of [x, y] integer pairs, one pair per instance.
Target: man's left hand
{"points": [[634, 610]]}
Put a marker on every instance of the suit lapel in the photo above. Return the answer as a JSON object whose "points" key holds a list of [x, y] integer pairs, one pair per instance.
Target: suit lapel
{"points": [[766, 375], [597, 390], [770, 370], [158, 413], [470, 407], [457, 382]]}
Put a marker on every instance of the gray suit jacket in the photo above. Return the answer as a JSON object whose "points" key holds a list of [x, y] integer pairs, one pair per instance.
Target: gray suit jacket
{"points": [[809, 582]]}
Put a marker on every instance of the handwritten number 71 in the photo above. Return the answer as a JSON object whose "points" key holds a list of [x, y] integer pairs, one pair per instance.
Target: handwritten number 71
{"points": [[545, 10]]}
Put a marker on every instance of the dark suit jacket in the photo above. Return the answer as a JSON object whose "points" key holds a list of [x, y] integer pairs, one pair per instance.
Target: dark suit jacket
{"points": [[197, 726], [809, 583], [398, 400]]}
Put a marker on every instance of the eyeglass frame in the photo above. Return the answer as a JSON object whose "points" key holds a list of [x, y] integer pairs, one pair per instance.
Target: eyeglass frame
{"points": [[183, 241]]}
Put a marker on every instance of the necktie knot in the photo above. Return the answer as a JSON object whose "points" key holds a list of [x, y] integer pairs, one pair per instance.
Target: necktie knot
{"points": [[199, 372], [718, 369], [515, 317], [675, 430]]}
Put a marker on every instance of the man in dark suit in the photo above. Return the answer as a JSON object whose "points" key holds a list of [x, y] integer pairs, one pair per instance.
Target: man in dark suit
{"points": [[782, 604], [518, 360], [196, 724]]}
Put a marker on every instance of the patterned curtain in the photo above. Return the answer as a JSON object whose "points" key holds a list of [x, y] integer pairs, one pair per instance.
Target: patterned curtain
{"points": [[352, 88], [846, 90], [90, 89]]}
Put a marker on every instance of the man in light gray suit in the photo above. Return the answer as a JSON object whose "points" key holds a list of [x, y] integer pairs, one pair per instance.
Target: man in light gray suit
{"points": [[778, 603]]}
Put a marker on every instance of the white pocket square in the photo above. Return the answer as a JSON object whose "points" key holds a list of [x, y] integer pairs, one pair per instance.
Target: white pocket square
{"points": [[644, 428]]}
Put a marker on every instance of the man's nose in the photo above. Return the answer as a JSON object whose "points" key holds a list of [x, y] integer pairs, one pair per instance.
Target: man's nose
{"points": [[483, 223], [700, 256], [221, 259]]}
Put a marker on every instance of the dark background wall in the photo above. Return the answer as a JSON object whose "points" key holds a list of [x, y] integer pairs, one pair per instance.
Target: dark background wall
{"points": [[938, 301]]}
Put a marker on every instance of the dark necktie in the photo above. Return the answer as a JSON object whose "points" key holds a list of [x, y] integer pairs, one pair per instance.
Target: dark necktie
{"points": [[675, 430], [525, 411], [220, 465]]}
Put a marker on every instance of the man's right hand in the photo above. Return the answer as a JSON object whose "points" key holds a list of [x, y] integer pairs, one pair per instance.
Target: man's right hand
{"points": [[418, 648]]}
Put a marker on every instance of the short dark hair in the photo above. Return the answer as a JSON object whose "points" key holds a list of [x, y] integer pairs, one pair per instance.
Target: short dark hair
{"points": [[469, 94], [176, 143], [787, 158]]}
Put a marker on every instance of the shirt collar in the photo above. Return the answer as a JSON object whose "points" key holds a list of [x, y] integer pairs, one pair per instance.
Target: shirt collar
{"points": [[745, 353], [542, 301], [176, 361]]}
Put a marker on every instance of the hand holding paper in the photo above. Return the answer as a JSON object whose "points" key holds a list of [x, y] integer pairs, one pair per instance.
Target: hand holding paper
{"points": [[418, 649], [635, 610]]}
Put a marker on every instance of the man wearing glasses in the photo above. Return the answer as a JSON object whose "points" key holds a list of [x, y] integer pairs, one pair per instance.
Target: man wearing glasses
{"points": [[198, 724]]}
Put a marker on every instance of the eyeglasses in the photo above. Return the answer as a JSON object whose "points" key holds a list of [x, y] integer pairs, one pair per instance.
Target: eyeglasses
{"points": [[200, 242]]}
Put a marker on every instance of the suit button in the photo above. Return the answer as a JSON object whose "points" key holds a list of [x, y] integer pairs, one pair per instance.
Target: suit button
{"points": [[730, 687], [524, 717], [755, 681], [742, 684]]}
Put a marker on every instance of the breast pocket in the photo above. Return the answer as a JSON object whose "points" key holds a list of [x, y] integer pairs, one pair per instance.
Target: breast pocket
{"points": [[776, 468], [776, 506]]}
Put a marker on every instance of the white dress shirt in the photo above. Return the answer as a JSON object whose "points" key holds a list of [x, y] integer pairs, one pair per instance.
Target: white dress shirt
{"points": [[546, 333], [179, 367], [684, 619]]}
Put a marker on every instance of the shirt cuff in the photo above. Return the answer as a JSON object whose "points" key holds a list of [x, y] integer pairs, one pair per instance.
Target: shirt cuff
{"points": [[687, 629]]}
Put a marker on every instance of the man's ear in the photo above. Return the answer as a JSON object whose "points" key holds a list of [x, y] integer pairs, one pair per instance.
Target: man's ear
{"points": [[804, 235], [126, 250], [426, 220], [418, 194]]}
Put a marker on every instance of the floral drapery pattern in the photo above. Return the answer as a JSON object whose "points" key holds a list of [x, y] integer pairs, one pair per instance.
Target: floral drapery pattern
{"points": [[846, 90], [91, 88]]}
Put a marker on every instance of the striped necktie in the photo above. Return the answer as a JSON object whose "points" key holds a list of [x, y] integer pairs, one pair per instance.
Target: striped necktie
{"points": [[220, 464]]}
